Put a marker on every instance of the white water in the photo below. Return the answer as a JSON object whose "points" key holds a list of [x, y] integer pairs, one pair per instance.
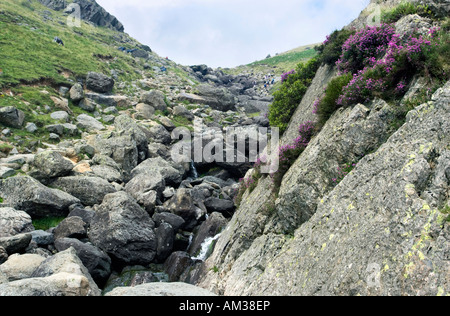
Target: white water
{"points": [[194, 170], [205, 249]]}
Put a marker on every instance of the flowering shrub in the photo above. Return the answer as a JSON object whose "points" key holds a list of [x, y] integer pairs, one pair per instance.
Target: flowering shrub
{"points": [[285, 75]]}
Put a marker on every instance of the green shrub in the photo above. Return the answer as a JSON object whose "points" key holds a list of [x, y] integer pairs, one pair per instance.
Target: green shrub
{"points": [[327, 105], [331, 50], [405, 9], [289, 96]]}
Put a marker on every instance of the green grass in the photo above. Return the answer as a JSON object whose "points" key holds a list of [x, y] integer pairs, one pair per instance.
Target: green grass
{"points": [[33, 57], [287, 61], [47, 223]]}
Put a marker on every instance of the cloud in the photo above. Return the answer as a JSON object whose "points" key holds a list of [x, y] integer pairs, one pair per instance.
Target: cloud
{"points": [[230, 32]]}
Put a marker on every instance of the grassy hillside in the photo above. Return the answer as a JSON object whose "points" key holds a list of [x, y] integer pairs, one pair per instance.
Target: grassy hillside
{"points": [[28, 53], [280, 63]]}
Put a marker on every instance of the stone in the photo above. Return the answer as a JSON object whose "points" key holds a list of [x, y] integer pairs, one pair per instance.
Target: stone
{"points": [[154, 98], [76, 93], [11, 117], [6, 172], [89, 123], [159, 134], [96, 261], [60, 116], [16, 243], [165, 239], [14, 222], [175, 221], [50, 164], [98, 82], [31, 127], [161, 289], [176, 264], [152, 166], [61, 284], [183, 112], [123, 230], [218, 98], [42, 238], [89, 190], [66, 261], [29, 195], [145, 110], [128, 126], [71, 227], [19, 267], [182, 204], [220, 205]]}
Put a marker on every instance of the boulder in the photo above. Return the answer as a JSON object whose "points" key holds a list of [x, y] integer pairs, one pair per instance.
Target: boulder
{"points": [[16, 243], [122, 149], [218, 98], [76, 93], [89, 123], [175, 221], [29, 195], [50, 164], [3, 258], [154, 98], [14, 222], [165, 236], [161, 289], [42, 238], [19, 267], [71, 227], [89, 190], [183, 112], [176, 264], [60, 116], [182, 204], [96, 261], [152, 166], [128, 126], [99, 82], [11, 117], [145, 110], [223, 206], [6, 172], [147, 189], [61, 284], [159, 134], [124, 230]]}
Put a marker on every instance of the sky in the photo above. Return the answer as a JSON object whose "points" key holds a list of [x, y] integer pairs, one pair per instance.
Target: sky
{"points": [[229, 33]]}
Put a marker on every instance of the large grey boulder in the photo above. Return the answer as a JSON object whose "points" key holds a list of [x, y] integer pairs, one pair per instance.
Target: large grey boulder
{"points": [[89, 190], [165, 236], [96, 261], [71, 227], [120, 148], [182, 204], [146, 188], [15, 244], [128, 126], [218, 98], [50, 164], [14, 222], [61, 284], [171, 175], [89, 123], [66, 261], [176, 264], [19, 267], [123, 230], [159, 134], [11, 117], [161, 289], [98, 82], [154, 98], [29, 195]]}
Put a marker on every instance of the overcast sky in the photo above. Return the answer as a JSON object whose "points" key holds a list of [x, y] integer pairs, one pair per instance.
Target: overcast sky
{"points": [[228, 33]]}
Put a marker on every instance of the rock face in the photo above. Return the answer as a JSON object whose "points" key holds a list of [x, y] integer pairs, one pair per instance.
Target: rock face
{"points": [[90, 11], [124, 230], [368, 235]]}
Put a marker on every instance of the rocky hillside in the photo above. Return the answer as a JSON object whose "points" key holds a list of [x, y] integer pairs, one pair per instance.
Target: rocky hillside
{"points": [[93, 203]]}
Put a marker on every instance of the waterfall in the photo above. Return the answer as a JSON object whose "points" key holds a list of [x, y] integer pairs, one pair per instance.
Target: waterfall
{"points": [[193, 171], [206, 248]]}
